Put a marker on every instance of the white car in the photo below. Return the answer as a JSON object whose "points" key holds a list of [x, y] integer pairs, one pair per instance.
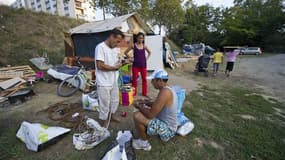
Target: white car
{"points": [[251, 50]]}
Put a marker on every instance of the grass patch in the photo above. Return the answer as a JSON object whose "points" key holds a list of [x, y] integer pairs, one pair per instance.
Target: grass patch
{"points": [[218, 118], [224, 129], [25, 34]]}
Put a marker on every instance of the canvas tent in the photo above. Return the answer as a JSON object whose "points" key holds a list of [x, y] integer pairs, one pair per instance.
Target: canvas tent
{"points": [[82, 40]]}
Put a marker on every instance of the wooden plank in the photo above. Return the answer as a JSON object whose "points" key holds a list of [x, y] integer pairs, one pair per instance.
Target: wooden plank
{"points": [[13, 92], [18, 70], [29, 75], [12, 74], [14, 68], [18, 86], [26, 70], [10, 83], [8, 92]]}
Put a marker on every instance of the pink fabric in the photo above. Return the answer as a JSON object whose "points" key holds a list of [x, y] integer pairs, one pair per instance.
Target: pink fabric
{"points": [[143, 72], [231, 56]]}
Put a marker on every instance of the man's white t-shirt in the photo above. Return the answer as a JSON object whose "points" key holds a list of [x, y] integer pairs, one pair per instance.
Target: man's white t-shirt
{"points": [[109, 56]]}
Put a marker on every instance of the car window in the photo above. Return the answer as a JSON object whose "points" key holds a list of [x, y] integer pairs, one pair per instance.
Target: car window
{"points": [[252, 48]]}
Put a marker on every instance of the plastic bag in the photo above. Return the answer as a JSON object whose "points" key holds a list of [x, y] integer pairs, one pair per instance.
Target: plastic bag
{"points": [[185, 129], [121, 149], [88, 140], [35, 134], [185, 125], [90, 101], [92, 137]]}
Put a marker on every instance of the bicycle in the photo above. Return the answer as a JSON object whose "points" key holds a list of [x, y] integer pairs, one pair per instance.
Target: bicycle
{"points": [[72, 84]]}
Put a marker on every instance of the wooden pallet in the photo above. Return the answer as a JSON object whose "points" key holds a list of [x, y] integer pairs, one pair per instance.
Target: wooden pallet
{"points": [[17, 71], [13, 90]]}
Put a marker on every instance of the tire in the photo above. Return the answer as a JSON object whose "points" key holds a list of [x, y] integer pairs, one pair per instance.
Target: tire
{"points": [[196, 72], [66, 89], [206, 74]]}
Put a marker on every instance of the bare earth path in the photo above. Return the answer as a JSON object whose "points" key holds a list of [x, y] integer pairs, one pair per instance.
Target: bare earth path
{"points": [[268, 73]]}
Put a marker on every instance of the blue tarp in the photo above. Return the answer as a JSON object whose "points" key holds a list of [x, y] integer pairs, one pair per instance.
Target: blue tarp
{"points": [[63, 68], [181, 95]]}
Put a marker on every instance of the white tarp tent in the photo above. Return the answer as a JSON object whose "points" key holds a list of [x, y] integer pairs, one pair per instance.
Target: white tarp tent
{"points": [[155, 60]]}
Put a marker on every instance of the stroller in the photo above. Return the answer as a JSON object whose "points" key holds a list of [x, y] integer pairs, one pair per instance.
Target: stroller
{"points": [[202, 64]]}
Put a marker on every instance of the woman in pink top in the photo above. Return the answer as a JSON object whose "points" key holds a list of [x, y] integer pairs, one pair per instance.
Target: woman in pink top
{"points": [[231, 58]]}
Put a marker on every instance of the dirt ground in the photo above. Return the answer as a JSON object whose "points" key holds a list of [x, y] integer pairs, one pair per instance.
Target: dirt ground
{"points": [[265, 74], [262, 73]]}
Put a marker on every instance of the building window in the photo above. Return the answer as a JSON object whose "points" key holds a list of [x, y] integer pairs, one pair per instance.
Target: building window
{"points": [[65, 1], [39, 6], [47, 2], [48, 8], [66, 8], [78, 4], [38, 0], [32, 3], [67, 14], [54, 6]]}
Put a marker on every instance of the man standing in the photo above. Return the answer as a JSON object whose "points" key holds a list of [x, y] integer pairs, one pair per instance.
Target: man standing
{"points": [[107, 65], [217, 60], [157, 118]]}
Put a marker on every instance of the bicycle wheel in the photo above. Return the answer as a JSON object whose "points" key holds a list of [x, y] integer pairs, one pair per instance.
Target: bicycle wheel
{"points": [[68, 86]]}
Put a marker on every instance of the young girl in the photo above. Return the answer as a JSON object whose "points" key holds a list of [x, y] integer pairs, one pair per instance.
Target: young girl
{"points": [[139, 62], [231, 58]]}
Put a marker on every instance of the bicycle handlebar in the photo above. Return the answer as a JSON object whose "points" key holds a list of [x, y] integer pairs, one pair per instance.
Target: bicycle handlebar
{"points": [[78, 62]]}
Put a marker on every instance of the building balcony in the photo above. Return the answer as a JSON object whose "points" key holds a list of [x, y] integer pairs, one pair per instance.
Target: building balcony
{"points": [[80, 16], [81, 1], [78, 5]]}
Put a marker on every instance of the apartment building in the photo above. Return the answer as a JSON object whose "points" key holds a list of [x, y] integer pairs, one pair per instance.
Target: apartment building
{"points": [[71, 8]]}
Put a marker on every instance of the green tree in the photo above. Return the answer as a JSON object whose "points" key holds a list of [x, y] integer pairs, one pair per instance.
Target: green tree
{"points": [[202, 24], [253, 22], [102, 4], [143, 7], [121, 7], [168, 13]]}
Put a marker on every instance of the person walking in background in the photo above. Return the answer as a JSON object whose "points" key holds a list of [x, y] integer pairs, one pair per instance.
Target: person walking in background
{"points": [[217, 59], [139, 62], [231, 58], [107, 65]]}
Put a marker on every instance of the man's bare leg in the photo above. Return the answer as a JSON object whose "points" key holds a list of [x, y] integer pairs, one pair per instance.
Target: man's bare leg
{"points": [[115, 118], [141, 123], [105, 123]]}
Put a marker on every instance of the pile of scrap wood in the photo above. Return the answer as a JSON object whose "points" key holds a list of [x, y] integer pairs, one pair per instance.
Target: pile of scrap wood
{"points": [[14, 79]]}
